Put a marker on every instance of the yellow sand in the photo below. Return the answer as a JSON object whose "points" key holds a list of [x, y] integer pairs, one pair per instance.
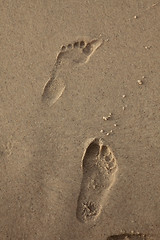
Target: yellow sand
{"points": [[41, 147]]}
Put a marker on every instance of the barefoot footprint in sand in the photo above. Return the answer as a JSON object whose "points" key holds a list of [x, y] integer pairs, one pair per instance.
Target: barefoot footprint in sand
{"points": [[129, 236], [78, 52], [99, 171]]}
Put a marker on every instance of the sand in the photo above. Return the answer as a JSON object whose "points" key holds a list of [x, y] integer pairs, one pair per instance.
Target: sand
{"points": [[112, 94]]}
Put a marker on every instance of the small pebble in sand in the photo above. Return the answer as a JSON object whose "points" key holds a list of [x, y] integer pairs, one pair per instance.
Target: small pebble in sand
{"points": [[123, 108], [115, 125], [135, 17], [147, 47], [140, 82], [102, 131], [104, 118], [143, 77], [108, 117], [123, 95], [108, 134], [111, 131]]}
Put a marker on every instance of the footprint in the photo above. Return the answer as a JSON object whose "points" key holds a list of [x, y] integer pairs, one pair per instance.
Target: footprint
{"points": [[53, 91], [76, 53], [128, 236], [99, 171]]}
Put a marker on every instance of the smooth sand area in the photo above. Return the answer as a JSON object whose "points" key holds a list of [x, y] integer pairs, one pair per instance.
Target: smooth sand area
{"points": [[70, 72]]}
